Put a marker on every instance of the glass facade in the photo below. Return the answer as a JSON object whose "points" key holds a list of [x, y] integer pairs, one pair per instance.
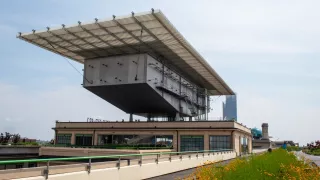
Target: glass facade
{"points": [[244, 144], [220, 142], [191, 143], [83, 140], [147, 140], [64, 139]]}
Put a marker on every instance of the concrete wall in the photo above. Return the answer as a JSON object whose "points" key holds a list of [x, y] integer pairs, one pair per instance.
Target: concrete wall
{"points": [[133, 172], [152, 125], [18, 150]]}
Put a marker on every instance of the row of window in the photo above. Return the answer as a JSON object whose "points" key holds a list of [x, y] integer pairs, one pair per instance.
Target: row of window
{"points": [[196, 143], [187, 143], [148, 140]]}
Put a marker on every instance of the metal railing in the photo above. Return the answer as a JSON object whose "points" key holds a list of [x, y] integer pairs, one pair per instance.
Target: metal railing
{"points": [[119, 157]]}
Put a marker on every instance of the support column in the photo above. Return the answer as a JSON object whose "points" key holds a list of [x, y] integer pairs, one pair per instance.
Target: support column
{"points": [[131, 118], [250, 145], [73, 139], [206, 103], [190, 118], [95, 138], [55, 137], [177, 117], [206, 141]]}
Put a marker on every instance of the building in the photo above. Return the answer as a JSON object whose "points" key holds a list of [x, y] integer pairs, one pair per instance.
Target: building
{"points": [[141, 64], [230, 108], [263, 140], [177, 135]]}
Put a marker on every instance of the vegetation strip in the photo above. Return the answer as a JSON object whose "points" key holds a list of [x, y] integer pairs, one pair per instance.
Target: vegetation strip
{"points": [[278, 164]]}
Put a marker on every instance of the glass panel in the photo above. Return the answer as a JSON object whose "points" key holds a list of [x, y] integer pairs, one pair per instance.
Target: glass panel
{"points": [[137, 140], [191, 143], [64, 139], [84, 140], [219, 142]]}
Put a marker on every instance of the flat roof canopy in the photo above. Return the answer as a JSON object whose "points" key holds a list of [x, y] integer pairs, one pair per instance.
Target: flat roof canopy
{"points": [[149, 32]]}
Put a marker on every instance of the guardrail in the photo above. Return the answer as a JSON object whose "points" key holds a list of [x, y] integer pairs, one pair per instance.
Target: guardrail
{"points": [[120, 157]]}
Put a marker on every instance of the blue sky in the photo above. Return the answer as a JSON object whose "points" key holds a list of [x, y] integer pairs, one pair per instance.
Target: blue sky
{"points": [[267, 51]]}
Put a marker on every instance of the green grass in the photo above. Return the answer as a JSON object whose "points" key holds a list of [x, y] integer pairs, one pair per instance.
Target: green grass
{"points": [[277, 164]]}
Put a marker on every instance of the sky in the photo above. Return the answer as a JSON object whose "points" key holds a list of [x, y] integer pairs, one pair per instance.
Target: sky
{"points": [[267, 51]]}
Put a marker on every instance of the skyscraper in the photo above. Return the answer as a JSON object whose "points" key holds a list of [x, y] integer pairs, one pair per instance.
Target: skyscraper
{"points": [[230, 108]]}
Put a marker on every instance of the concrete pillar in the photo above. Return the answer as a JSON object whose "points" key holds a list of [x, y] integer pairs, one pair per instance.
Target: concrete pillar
{"points": [[190, 118], [250, 145], [175, 142], [95, 138], [206, 103], [73, 139], [265, 133], [177, 117], [206, 141], [131, 118], [55, 137]]}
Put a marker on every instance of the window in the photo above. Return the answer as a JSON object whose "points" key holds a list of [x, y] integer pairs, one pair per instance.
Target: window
{"points": [[30, 165], [220, 142], [83, 140], [191, 143], [244, 145], [163, 141], [104, 139], [141, 140], [18, 166], [64, 139]]}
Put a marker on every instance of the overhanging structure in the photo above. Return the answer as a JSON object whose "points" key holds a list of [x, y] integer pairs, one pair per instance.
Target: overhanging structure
{"points": [[139, 63]]}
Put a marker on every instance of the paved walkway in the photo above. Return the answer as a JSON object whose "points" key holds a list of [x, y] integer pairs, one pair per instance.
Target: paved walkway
{"points": [[184, 173], [315, 159]]}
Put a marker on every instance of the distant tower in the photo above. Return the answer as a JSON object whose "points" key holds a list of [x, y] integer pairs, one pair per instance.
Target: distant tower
{"points": [[230, 108], [265, 133]]}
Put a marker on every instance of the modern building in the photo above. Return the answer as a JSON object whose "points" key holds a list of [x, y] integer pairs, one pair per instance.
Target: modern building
{"points": [[230, 108], [177, 135], [141, 64]]}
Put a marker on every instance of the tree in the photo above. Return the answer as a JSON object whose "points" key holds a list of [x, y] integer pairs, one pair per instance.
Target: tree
{"points": [[1, 138], [16, 138], [7, 137], [52, 141]]}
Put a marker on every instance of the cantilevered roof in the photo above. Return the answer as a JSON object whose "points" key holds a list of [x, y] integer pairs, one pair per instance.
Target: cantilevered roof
{"points": [[149, 32]]}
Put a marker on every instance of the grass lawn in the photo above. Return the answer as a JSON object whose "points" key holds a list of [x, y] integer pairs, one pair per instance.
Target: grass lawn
{"points": [[279, 164]]}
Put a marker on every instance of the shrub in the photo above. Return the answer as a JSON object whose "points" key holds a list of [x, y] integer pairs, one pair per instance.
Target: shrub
{"points": [[293, 148], [279, 164]]}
